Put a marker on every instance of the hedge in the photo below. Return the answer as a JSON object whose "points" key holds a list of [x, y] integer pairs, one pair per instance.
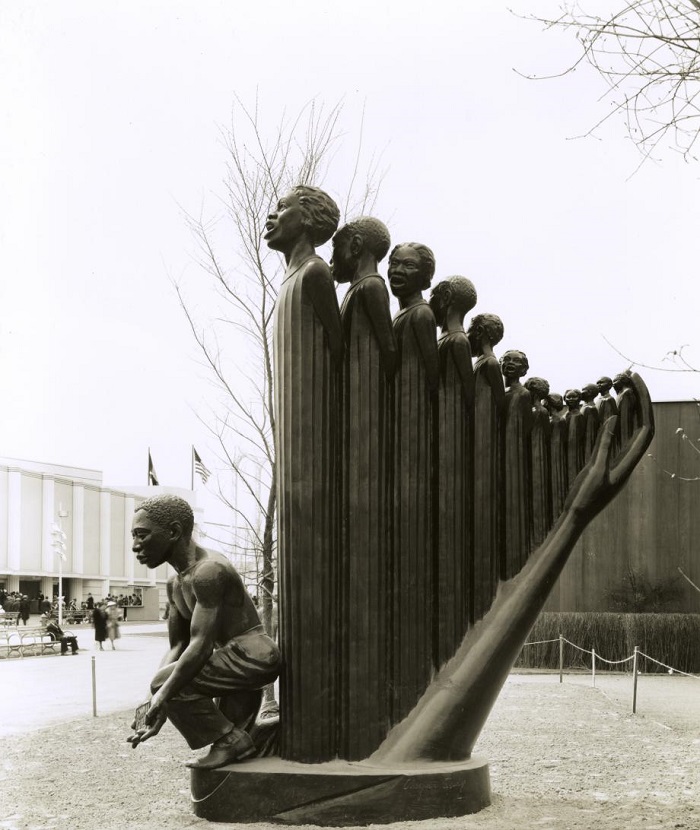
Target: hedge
{"points": [[673, 639]]}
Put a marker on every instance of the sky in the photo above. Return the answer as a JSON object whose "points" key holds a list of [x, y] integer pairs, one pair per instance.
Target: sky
{"points": [[110, 133]]}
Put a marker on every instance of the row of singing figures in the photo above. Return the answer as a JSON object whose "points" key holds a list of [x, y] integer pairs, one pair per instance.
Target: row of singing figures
{"points": [[411, 480]]}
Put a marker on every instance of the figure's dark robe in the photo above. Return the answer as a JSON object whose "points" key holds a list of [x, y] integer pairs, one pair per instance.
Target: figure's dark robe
{"points": [[365, 503], [517, 488], [306, 411], [488, 482], [589, 413], [559, 458], [629, 418], [412, 564], [453, 488], [541, 449], [575, 458], [606, 408]]}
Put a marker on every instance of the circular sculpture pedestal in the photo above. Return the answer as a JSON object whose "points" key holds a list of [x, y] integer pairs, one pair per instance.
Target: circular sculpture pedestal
{"points": [[339, 793]]}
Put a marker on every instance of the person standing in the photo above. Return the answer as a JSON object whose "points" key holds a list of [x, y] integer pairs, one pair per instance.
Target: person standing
{"points": [[99, 621], [90, 606]]}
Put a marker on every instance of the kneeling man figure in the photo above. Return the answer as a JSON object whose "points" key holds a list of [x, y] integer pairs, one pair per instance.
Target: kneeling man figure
{"points": [[218, 648]]}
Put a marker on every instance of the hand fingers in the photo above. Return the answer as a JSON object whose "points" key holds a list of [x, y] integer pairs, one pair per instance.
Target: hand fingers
{"points": [[136, 738]]}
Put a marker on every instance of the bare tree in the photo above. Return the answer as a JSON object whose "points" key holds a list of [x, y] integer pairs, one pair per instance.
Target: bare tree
{"points": [[648, 52], [234, 339]]}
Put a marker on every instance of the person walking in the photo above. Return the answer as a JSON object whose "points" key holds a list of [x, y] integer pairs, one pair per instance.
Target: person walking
{"points": [[113, 623], [23, 613], [99, 621]]}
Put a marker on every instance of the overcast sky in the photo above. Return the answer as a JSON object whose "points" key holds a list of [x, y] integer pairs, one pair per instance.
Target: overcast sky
{"points": [[110, 127]]}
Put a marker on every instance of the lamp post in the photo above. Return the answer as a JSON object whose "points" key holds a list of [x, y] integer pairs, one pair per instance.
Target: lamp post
{"points": [[59, 546]]}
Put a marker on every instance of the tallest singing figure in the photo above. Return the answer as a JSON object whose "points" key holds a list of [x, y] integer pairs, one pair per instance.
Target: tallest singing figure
{"points": [[308, 351]]}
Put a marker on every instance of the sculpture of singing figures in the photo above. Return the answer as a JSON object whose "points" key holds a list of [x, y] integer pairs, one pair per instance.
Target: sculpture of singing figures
{"points": [[591, 420], [485, 331], [627, 406], [560, 452], [575, 433], [517, 413], [368, 367], [450, 300], [411, 268], [308, 351], [540, 450]]}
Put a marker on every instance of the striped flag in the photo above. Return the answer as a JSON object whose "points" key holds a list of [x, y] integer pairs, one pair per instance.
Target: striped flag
{"points": [[152, 476], [199, 467]]}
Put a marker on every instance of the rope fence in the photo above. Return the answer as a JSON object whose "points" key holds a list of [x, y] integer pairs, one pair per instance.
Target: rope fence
{"points": [[633, 658]]}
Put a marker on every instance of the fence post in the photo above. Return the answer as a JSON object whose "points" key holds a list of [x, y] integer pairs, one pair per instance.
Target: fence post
{"points": [[561, 658], [634, 687], [94, 689], [593, 665]]}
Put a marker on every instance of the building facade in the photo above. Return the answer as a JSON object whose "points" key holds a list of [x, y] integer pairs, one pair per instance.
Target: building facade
{"points": [[96, 520]]}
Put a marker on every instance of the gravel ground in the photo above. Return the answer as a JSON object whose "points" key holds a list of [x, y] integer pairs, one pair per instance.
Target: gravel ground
{"points": [[569, 757]]}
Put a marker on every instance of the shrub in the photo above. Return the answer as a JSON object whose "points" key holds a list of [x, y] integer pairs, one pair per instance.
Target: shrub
{"points": [[673, 639]]}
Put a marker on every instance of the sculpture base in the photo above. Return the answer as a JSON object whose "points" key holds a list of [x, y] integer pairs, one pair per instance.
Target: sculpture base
{"points": [[339, 793]]}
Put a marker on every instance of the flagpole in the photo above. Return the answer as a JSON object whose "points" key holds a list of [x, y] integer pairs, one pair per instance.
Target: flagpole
{"points": [[192, 468], [148, 474]]}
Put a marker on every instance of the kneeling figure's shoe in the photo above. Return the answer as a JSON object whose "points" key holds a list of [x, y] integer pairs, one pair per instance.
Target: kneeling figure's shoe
{"points": [[236, 745]]}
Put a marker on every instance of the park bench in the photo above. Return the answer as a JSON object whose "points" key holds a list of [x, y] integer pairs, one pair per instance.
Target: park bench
{"points": [[29, 643], [10, 643]]}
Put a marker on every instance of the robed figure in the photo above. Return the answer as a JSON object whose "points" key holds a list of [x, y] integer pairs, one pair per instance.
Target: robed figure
{"points": [[575, 457], [591, 420], [450, 300], [308, 350], [411, 268], [517, 492], [627, 406], [368, 369], [559, 451], [606, 405], [485, 331], [540, 454]]}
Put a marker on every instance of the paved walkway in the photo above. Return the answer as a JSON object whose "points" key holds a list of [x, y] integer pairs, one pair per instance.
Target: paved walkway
{"points": [[36, 692], [39, 691]]}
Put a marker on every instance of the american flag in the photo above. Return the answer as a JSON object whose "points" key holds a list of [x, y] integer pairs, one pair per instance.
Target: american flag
{"points": [[199, 466], [152, 476]]}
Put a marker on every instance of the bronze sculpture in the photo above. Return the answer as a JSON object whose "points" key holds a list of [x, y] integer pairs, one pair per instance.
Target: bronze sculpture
{"points": [[421, 766], [451, 300], [308, 352], [560, 451], [626, 405], [218, 647], [517, 497], [411, 269], [368, 369], [606, 405], [486, 331], [575, 434], [541, 457], [591, 420]]}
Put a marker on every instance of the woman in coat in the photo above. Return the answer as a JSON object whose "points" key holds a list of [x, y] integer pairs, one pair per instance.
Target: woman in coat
{"points": [[99, 621]]}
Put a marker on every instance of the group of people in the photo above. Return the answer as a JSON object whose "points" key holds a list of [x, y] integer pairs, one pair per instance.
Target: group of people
{"points": [[105, 621], [16, 604]]}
